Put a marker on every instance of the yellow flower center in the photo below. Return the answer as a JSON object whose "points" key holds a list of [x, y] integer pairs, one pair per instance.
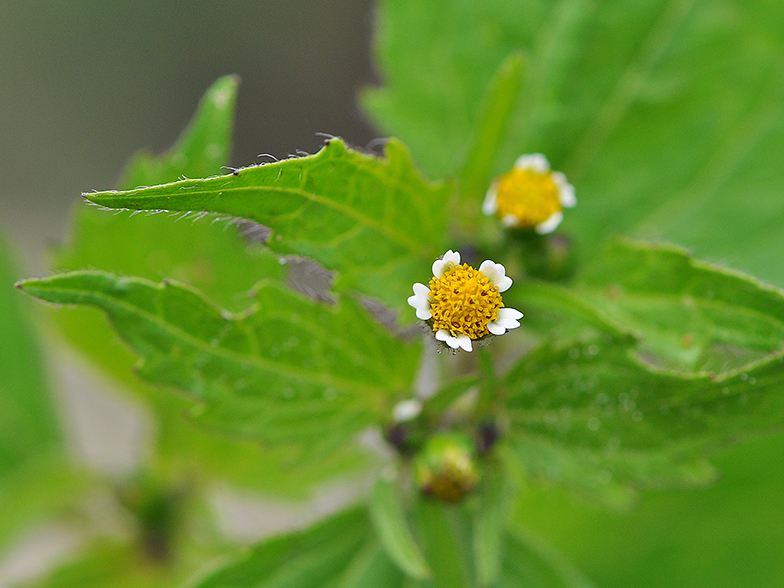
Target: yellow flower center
{"points": [[464, 302], [528, 195]]}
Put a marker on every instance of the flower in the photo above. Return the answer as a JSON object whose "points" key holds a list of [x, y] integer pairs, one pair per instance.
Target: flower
{"points": [[530, 195], [407, 410], [463, 304]]}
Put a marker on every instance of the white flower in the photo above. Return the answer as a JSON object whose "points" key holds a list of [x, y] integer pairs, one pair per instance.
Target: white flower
{"points": [[530, 196], [462, 304], [407, 410]]}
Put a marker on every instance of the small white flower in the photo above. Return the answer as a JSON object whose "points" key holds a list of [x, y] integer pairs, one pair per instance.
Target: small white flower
{"points": [[530, 196], [463, 304], [407, 410]]}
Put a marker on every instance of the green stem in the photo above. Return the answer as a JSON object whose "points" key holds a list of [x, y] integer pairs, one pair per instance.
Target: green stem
{"points": [[488, 389]]}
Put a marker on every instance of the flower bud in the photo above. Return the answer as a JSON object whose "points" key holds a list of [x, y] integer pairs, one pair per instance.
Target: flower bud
{"points": [[446, 468]]}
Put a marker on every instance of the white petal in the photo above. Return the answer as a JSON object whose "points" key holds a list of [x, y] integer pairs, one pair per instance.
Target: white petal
{"points": [[407, 410], [464, 341], [510, 220], [497, 274], [420, 301], [442, 335], [536, 162], [565, 191], [449, 259], [490, 205], [550, 224], [495, 328], [508, 318]]}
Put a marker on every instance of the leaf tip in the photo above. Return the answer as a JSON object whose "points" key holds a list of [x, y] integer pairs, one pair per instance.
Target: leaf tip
{"points": [[224, 90]]}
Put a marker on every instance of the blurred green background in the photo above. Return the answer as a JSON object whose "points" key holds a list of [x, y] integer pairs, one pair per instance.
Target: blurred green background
{"points": [[83, 85]]}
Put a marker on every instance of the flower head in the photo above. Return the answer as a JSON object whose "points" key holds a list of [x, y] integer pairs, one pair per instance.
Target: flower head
{"points": [[463, 304], [530, 195]]}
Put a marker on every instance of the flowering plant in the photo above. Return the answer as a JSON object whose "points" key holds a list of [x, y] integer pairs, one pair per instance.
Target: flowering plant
{"points": [[633, 362]]}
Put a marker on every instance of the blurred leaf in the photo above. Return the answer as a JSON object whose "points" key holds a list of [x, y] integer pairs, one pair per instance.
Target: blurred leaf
{"points": [[594, 417], [690, 316], [389, 520], [442, 532], [202, 149], [35, 476], [28, 425], [668, 117], [211, 257], [288, 371], [105, 563], [375, 221], [727, 534], [489, 523], [530, 563], [340, 552], [493, 121]]}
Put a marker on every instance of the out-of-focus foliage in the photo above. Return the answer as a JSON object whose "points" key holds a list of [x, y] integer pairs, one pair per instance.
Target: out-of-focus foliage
{"points": [[626, 374], [36, 478], [668, 116]]}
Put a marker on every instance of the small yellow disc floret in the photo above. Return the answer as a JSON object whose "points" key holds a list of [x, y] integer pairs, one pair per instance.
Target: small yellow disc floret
{"points": [[528, 195], [464, 302]]}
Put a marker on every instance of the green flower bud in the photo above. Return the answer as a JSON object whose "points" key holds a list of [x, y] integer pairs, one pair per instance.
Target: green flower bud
{"points": [[446, 469]]}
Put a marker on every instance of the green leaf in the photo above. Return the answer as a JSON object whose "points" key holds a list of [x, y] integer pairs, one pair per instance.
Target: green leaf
{"points": [[689, 316], [667, 117], [677, 527], [389, 520], [532, 563], [340, 552], [211, 257], [374, 220], [444, 535], [133, 559], [28, 425], [489, 523], [36, 478], [491, 127], [202, 150], [288, 371], [214, 258], [594, 417]]}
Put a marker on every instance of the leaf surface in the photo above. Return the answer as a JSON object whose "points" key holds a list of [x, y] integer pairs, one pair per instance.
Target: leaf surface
{"points": [[289, 371], [374, 220], [340, 552], [215, 258], [685, 315], [689, 316], [532, 563], [594, 417], [389, 520], [666, 115], [36, 478]]}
